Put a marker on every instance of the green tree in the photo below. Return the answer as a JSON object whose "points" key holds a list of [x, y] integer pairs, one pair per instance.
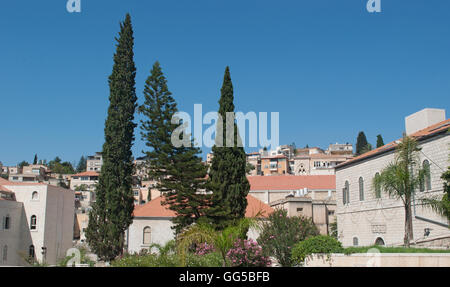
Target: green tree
{"points": [[227, 175], [401, 178], [35, 161], [280, 233], [380, 141], [22, 164], [112, 212], [81, 164], [178, 169], [441, 203], [361, 144]]}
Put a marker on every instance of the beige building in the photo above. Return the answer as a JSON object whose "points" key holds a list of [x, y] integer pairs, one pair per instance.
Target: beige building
{"points": [[37, 222], [30, 173], [94, 162], [87, 179], [311, 196], [274, 165], [366, 217]]}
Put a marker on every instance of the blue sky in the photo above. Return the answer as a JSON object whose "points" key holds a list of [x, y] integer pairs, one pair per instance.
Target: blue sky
{"points": [[330, 68]]}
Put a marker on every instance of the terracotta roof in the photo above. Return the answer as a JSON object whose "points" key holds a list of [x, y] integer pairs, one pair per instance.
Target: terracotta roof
{"points": [[6, 182], [274, 156], [4, 189], [155, 209], [292, 182], [86, 173], [419, 135]]}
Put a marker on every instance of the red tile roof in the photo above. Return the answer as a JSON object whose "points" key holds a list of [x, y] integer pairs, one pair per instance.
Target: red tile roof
{"points": [[292, 182], [86, 173], [4, 189], [6, 182], [155, 209], [419, 135]]}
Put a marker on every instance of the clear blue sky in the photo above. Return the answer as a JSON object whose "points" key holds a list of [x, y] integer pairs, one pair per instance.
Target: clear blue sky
{"points": [[329, 67]]}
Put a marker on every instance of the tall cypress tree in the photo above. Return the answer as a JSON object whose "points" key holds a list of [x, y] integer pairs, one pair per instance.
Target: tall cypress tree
{"points": [[35, 161], [380, 141], [227, 175], [361, 143], [112, 212], [177, 169]]}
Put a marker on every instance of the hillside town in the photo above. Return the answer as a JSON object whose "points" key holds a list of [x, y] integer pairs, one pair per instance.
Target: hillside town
{"points": [[192, 123], [49, 212]]}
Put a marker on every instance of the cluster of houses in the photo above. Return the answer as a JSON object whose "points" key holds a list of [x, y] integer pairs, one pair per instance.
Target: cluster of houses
{"points": [[41, 219]]}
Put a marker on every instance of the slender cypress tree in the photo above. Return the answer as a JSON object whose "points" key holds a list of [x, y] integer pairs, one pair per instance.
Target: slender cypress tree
{"points": [[35, 161], [112, 213], [361, 143], [227, 175], [81, 164], [380, 141], [177, 169]]}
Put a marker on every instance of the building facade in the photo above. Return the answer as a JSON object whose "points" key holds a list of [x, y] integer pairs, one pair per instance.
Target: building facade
{"points": [[39, 225], [366, 216]]}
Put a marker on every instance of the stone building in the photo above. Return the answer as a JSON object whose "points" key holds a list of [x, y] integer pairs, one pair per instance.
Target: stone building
{"points": [[366, 216], [37, 222]]}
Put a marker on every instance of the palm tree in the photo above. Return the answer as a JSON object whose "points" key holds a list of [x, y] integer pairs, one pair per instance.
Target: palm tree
{"points": [[401, 178], [222, 240], [441, 204]]}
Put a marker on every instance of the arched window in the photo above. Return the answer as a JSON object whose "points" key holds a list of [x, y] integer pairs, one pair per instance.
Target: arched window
{"points": [[379, 241], [377, 188], [33, 222], [31, 252], [425, 184], [147, 236], [346, 193], [361, 189], [355, 241], [5, 253], [35, 195]]}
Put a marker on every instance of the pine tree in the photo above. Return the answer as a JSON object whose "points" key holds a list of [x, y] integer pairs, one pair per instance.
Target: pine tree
{"points": [[380, 141], [35, 161], [81, 164], [177, 169], [227, 176], [112, 212], [361, 143]]}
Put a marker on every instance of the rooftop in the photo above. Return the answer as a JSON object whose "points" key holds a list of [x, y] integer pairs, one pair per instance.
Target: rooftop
{"points": [[154, 209], [292, 182], [433, 130]]}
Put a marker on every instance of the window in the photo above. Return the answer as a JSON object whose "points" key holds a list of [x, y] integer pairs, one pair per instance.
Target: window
{"points": [[6, 222], [377, 188], [355, 241], [346, 193], [361, 189], [5, 253], [136, 193], [379, 241], [147, 235], [35, 195], [425, 183], [33, 222], [299, 209], [31, 252]]}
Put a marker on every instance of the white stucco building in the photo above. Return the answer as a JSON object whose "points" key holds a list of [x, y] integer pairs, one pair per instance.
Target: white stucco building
{"points": [[37, 222], [366, 216], [152, 223]]}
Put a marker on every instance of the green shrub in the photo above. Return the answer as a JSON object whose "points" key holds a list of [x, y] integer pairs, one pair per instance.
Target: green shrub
{"points": [[321, 244], [280, 233], [383, 249]]}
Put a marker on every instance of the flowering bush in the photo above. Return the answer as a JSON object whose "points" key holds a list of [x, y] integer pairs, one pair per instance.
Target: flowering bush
{"points": [[204, 248], [247, 253], [280, 233]]}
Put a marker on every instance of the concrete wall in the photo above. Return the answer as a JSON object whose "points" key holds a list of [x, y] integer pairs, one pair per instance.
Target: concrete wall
{"points": [[381, 260], [161, 232], [10, 237]]}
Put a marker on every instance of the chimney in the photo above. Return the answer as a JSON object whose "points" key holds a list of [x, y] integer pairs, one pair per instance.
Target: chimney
{"points": [[423, 119]]}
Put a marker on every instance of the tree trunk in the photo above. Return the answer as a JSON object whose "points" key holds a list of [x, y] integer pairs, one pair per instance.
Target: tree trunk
{"points": [[408, 223]]}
